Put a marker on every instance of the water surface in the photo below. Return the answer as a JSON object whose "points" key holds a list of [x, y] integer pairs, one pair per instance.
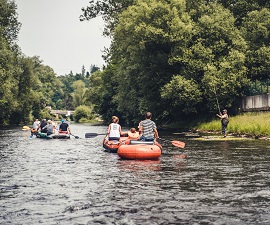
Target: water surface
{"points": [[75, 182]]}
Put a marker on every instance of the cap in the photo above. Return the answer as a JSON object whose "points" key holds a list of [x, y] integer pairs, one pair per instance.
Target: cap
{"points": [[62, 120]]}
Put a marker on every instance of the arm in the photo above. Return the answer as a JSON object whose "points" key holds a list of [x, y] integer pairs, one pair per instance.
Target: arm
{"points": [[122, 133], [109, 129], [156, 133]]}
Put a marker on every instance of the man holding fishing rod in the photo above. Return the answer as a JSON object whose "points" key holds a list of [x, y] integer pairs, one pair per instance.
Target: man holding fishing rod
{"points": [[224, 121]]}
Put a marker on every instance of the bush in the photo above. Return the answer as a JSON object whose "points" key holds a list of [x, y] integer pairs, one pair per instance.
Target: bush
{"points": [[82, 111]]}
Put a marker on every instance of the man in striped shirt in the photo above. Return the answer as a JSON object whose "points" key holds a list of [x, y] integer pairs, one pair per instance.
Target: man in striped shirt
{"points": [[148, 128]]}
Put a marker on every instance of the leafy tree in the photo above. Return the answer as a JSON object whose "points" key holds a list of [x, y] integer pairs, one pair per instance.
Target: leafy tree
{"points": [[183, 95], [82, 112], [9, 27], [256, 31], [241, 8], [79, 93], [9, 24], [108, 9]]}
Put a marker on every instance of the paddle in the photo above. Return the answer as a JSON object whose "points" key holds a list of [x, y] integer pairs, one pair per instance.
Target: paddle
{"points": [[176, 143], [91, 135], [74, 136]]}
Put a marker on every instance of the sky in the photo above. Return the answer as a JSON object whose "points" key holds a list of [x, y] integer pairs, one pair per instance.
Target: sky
{"points": [[51, 29]]}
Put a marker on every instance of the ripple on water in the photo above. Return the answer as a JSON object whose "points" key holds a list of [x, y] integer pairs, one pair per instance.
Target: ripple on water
{"points": [[75, 182]]}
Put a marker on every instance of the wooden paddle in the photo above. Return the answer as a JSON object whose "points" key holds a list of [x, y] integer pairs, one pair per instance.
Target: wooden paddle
{"points": [[179, 144], [91, 135], [176, 143]]}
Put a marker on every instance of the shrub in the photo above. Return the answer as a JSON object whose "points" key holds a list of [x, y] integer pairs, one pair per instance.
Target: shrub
{"points": [[82, 111]]}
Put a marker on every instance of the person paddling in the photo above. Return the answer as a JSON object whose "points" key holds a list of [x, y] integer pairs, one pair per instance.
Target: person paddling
{"points": [[50, 128], [64, 128], [35, 127], [41, 125]]}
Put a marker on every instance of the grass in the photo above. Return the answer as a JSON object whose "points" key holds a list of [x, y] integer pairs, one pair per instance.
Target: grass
{"points": [[254, 124]]}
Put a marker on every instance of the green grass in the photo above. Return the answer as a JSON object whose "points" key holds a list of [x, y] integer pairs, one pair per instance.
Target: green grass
{"points": [[254, 124]]}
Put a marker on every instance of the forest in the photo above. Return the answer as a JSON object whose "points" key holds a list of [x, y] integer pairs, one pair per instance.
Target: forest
{"points": [[175, 58]]}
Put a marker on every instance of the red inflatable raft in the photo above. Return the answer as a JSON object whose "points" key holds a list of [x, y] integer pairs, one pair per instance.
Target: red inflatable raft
{"points": [[113, 145], [141, 150]]}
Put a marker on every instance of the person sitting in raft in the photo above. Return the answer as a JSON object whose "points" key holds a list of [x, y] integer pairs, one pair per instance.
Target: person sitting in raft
{"points": [[41, 125], [35, 126], [64, 128], [133, 134], [50, 128], [114, 130], [148, 128]]}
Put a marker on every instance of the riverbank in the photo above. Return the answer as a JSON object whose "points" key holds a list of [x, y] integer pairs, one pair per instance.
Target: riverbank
{"points": [[252, 124]]}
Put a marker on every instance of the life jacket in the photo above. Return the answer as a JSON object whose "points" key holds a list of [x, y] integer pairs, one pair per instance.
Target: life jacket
{"points": [[133, 136]]}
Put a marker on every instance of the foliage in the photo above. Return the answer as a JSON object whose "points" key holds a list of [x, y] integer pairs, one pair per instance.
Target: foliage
{"points": [[79, 93], [183, 95], [82, 111], [256, 30], [178, 59], [9, 24], [108, 9]]}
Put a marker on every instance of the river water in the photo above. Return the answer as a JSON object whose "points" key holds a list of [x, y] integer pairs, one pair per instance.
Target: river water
{"points": [[75, 182]]}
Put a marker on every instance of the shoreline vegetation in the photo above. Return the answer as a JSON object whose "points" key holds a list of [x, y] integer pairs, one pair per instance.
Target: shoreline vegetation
{"points": [[251, 124], [247, 125]]}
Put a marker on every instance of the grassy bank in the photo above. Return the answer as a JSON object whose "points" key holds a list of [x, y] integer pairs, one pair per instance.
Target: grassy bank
{"points": [[253, 124]]}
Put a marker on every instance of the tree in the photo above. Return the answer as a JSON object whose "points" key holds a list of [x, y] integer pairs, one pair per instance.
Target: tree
{"points": [[9, 25], [82, 112], [108, 9], [256, 31], [79, 93]]}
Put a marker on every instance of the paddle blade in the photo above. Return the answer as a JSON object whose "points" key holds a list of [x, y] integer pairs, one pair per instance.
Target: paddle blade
{"points": [[90, 135], [75, 136], [179, 144]]}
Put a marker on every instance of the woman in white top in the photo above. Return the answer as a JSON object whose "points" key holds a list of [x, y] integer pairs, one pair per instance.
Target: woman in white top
{"points": [[114, 129]]}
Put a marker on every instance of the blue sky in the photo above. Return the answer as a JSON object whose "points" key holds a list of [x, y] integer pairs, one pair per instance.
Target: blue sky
{"points": [[52, 30]]}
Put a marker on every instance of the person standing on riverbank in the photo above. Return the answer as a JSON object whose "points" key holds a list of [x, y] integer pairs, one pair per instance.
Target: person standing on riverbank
{"points": [[224, 118], [148, 128]]}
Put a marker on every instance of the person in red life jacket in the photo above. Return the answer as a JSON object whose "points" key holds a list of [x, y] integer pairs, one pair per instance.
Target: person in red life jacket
{"points": [[64, 128], [133, 134]]}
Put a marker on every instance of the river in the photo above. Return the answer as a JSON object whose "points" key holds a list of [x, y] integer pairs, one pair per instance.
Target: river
{"points": [[75, 182]]}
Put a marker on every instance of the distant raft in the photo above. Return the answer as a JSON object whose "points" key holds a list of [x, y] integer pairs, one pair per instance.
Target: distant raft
{"points": [[139, 150], [26, 128], [52, 136]]}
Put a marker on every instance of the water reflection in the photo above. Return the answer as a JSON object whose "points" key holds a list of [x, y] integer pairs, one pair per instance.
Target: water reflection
{"points": [[75, 182], [134, 165]]}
